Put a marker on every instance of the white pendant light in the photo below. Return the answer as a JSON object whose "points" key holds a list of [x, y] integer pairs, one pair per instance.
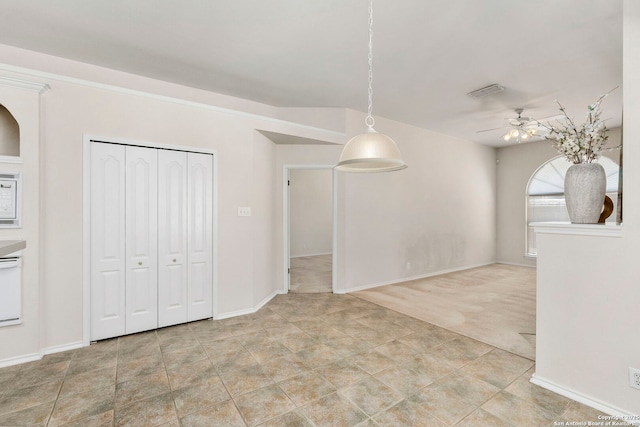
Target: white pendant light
{"points": [[370, 151]]}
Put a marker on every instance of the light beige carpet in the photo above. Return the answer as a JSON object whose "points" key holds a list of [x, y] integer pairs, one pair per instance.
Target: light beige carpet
{"points": [[495, 304], [311, 274]]}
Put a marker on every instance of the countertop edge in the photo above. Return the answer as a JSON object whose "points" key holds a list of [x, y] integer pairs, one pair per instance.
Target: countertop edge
{"points": [[10, 246]]}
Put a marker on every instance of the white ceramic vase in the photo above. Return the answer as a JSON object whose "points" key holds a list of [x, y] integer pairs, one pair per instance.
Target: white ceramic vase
{"points": [[585, 185]]}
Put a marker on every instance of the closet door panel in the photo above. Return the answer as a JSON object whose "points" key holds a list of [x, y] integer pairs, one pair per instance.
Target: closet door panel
{"points": [[200, 236], [107, 274], [172, 237], [141, 246]]}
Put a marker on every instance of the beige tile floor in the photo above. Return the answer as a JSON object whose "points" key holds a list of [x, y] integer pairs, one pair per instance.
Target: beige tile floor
{"points": [[302, 360], [310, 274]]}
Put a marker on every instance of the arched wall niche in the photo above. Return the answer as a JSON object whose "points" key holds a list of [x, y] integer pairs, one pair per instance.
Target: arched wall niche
{"points": [[9, 134]]}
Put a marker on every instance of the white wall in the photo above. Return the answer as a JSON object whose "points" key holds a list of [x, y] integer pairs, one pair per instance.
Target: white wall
{"points": [[310, 212], [262, 218], [515, 166], [24, 339], [74, 108], [588, 289], [438, 215]]}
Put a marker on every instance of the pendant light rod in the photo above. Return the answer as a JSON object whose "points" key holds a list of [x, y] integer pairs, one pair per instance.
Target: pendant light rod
{"points": [[369, 121], [370, 151]]}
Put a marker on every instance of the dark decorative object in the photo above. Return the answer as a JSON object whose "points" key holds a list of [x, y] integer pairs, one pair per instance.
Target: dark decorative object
{"points": [[620, 181], [607, 210]]}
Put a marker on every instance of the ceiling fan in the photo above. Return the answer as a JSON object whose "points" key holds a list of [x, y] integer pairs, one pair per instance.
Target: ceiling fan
{"points": [[519, 129]]}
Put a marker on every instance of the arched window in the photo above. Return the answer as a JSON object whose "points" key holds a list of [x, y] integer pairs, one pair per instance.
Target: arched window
{"points": [[545, 194], [9, 134]]}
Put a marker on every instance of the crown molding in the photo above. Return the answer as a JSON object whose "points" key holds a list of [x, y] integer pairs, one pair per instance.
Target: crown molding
{"points": [[40, 88], [299, 129]]}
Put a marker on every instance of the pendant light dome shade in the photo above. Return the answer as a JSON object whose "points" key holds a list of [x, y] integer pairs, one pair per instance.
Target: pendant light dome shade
{"points": [[370, 152]]}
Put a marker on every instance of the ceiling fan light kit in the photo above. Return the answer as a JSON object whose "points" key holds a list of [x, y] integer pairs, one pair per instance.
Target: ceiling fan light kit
{"points": [[518, 134], [522, 128], [370, 151]]}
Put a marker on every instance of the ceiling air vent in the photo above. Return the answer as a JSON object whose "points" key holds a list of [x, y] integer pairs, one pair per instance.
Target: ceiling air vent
{"points": [[486, 91]]}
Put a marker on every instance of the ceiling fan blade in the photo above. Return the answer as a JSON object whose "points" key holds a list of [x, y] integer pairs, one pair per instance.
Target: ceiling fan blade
{"points": [[489, 130], [549, 118]]}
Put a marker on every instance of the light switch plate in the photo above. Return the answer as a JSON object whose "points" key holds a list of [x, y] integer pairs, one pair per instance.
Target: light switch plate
{"points": [[244, 211]]}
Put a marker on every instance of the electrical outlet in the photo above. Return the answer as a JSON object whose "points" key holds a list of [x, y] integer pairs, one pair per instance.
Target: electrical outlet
{"points": [[634, 378]]}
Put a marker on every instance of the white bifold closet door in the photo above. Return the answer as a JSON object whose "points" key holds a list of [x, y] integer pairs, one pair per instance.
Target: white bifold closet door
{"points": [[185, 242], [151, 238], [200, 236], [142, 239], [108, 171], [124, 292], [172, 237]]}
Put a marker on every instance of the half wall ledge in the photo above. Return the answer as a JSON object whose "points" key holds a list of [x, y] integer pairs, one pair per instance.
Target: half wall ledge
{"points": [[567, 228]]}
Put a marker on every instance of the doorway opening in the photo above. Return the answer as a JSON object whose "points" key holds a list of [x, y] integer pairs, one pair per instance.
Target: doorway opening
{"points": [[309, 228]]}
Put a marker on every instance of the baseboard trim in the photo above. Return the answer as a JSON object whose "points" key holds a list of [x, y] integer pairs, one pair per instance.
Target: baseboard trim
{"points": [[308, 255], [37, 356], [422, 276], [65, 347], [20, 359], [517, 264], [265, 300], [248, 310], [632, 419], [79, 344]]}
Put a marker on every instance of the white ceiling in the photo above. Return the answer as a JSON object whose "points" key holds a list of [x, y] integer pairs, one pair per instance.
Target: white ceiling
{"points": [[428, 54]]}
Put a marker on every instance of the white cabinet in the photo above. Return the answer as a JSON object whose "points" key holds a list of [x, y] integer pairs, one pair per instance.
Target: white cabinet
{"points": [[10, 291], [151, 238]]}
